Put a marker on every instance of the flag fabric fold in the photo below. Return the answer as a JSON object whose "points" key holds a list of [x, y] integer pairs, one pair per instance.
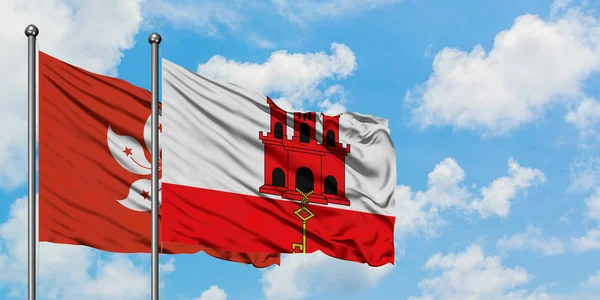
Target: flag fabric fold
{"points": [[242, 174], [94, 165]]}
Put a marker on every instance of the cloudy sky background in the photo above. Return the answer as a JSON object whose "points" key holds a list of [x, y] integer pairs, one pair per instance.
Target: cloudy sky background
{"points": [[492, 106]]}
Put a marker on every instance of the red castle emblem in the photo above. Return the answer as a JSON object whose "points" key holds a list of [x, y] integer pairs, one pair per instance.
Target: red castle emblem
{"points": [[303, 163]]}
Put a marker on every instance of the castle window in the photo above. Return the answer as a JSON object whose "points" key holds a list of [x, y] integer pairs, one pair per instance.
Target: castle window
{"points": [[305, 181], [330, 185], [304, 133], [330, 138], [278, 177], [278, 130]]}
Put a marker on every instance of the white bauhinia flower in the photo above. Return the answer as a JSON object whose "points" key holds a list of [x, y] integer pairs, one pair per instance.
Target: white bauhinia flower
{"points": [[129, 153]]}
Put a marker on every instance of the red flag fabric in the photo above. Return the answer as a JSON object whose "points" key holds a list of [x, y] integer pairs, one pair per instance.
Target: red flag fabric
{"points": [[94, 165], [242, 174]]}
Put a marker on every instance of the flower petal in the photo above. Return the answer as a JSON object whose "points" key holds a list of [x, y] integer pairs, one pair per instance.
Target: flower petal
{"points": [[139, 198], [128, 152]]}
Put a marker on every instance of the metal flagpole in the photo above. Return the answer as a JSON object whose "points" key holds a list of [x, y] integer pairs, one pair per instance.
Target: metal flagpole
{"points": [[31, 32], [154, 40]]}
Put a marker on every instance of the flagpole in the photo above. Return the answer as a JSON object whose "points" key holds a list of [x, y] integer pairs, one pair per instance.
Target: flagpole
{"points": [[31, 32], [154, 39]]}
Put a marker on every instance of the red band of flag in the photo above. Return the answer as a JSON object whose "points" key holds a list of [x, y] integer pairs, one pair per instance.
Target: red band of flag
{"points": [[239, 222]]}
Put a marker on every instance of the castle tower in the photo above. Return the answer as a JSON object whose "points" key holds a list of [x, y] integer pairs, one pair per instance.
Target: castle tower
{"points": [[275, 155], [334, 162], [303, 163], [331, 130], [305, 126]]}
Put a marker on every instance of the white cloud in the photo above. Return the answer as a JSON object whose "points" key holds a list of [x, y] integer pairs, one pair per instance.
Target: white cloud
{"points": [[592, 282], [589, 242], [68, 271], [419, 211], [299, 274], [213, 293], [496, 197], [210, 17], [593, 206], [260, 42], [204, 17], [117, 278], [472, 275], [533, 65], [532, 239], [586, 116], [335, 100], [301, 11], [168, 266], [428, 51], [332, 109], [585, 174], [332, 103], [296, 77], [415, 214], [213, 17], [525, 295], [74, 31], [559, 6]]}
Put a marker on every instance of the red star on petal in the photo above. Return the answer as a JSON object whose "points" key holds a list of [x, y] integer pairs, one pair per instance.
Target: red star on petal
{"points": [[127, 151], [145, 194]]}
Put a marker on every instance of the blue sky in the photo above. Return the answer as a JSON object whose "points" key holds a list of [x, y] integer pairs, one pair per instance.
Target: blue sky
{"points": [[492, 109]]}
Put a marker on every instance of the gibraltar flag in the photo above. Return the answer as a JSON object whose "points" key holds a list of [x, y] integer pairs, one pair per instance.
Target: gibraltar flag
{"points": [[242, 174], [94, 170]]}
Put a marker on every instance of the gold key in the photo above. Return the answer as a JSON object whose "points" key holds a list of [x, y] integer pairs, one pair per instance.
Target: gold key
{"points": [[304, 214]]}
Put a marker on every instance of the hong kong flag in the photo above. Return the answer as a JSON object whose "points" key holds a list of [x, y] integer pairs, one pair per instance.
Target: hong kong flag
{"points": [[94, 165], [242, 174]]}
